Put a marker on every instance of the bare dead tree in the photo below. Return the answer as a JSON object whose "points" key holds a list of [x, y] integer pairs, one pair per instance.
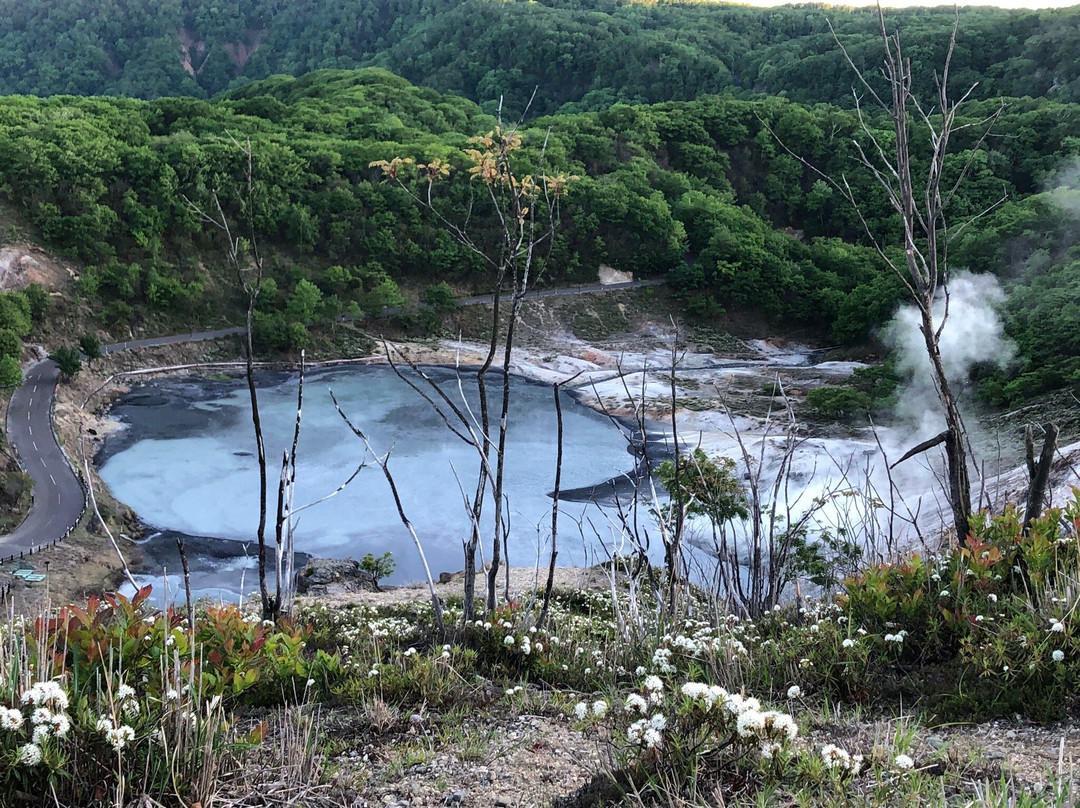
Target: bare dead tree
{"points": [[673, 560], [246, 263], [383, 462], [1038, 470], [525, 209], [556, 391], [283, 533], [920, 191], [181, 548], [105, 527]]}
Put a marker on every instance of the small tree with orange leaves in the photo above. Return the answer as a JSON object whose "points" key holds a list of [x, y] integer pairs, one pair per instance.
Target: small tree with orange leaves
{"points": [[524, 209]]}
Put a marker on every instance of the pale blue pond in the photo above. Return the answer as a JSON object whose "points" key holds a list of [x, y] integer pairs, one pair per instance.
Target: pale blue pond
{"points": [[185, 462]]}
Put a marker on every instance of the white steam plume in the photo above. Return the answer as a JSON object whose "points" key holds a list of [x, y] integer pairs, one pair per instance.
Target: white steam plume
{"points": [[973, 334], [1064, 188]]}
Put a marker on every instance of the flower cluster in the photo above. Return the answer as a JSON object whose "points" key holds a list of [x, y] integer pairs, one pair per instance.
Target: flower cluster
{"points": [[704, 709], [46, 694], [839, 760], [47, 704], [127, 700], [647, 732], [597, 709], [116, 736]]}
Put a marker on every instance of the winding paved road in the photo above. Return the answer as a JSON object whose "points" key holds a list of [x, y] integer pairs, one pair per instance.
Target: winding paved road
{"points": [[567, 290], [59, 499], [58, 496]]}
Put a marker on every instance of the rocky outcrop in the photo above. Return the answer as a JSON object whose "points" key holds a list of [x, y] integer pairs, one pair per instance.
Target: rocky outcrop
{"points": [[195, 51], [333, 576]]}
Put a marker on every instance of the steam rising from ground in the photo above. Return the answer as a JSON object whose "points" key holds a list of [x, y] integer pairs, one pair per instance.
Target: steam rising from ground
{"points": [[973, 334], [1065, 190]]}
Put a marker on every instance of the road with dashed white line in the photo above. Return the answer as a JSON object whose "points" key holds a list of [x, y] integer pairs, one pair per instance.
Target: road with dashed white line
{"points": [[59, 498]]}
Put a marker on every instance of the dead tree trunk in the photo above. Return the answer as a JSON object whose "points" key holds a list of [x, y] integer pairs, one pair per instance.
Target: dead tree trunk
{"points": [[955, 456], [1038, 471], [920, 192], [270, 605], [249, 272]]}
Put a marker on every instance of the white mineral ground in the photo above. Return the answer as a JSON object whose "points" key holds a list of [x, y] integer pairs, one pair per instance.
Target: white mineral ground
{"points": [[846, 465], [839, 471]]}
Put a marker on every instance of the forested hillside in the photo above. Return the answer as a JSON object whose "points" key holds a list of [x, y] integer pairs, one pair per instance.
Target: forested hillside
{"points": [[668, 112], [580, 54], [699, 191]]}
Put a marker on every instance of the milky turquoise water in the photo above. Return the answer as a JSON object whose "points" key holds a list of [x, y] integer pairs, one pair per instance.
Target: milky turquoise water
{"points": [[185, 462]]}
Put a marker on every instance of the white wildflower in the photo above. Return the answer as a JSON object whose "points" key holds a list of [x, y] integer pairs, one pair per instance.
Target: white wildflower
{"points": [[10, 719], [903, 762], [781, 725], [120, 737], [794, 692], [769, 750], [695, 690], [1058, 655], [60, 724], [599, 708], [750, 724], [654, 684], [635, 703], [29, 754], [835, 757], [651, 738], [581, 710]]}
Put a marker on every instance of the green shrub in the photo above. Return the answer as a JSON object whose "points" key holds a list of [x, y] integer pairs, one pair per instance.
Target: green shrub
{"points": [[68, 359], [996, 610], [378, 568], [10, 343], [440, 297], [838, 402], [10, 373], [118, 698]]}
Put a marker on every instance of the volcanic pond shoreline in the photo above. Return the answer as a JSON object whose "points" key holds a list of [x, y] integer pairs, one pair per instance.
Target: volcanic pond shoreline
{"points": [[192, 405]]}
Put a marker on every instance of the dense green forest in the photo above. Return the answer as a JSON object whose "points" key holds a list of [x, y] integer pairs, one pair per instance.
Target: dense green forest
{"points": [[580, 54], [698, 191], [672, 114]]}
